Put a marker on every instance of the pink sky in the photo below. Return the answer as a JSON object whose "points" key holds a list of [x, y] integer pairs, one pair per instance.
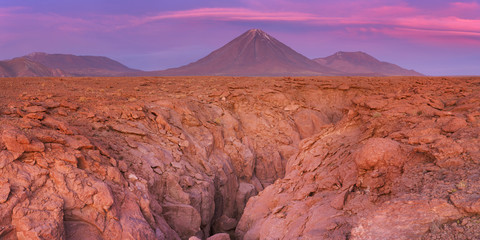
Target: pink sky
{"points": [[433, 37]]}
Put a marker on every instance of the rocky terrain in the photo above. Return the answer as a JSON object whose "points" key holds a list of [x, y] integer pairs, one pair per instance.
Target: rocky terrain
{"points": [[240, 158]]}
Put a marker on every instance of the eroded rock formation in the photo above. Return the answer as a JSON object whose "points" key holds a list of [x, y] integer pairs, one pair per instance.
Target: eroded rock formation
{"points": [[256, 158]]}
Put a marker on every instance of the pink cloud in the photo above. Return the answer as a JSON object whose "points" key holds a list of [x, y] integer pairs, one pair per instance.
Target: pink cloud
{"points": [[470, 10], [410, 22], [404, 19], [446, 24], [389, 11], [465, 5], [434, 36], [231, 14]]}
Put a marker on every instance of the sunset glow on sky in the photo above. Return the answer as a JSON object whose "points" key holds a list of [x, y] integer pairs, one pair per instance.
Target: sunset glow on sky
{"points": [[433, 37]]}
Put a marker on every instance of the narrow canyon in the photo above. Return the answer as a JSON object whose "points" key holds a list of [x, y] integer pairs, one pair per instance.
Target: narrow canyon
{"points": [[240, 158]]}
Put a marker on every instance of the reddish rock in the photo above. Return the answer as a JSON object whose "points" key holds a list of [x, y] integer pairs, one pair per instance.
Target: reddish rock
{"points": [[15, 141], [6, 158], [79, 230], [69, 105], [220, 236], [310, 122], [57, 124], [343, 87], [34, 146], [224, 224], [39, 218], [454, 125], [375, 104], [404, 219], [379, 152], [49, 103], [37, 116], [34, 109], [469, 203], [4, 191], [275, 159], [436, 103], [184, 219], [49, 137], [79, 142], [245, 191], [127, 129], [6, 230]]}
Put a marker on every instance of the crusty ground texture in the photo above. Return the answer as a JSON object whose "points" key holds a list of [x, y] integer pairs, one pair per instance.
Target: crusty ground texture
{"points": [[240, 158]]}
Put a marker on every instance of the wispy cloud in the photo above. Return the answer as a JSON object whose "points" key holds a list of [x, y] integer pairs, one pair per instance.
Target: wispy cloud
{"points": [[393, 17], [465, 5], [230, 14]]}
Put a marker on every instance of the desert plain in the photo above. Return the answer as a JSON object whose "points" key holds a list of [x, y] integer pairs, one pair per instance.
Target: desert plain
{"points": [[240, 158]]}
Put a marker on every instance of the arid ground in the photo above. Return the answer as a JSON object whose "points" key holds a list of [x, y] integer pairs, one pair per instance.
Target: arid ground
{"points": [[240, 158]]}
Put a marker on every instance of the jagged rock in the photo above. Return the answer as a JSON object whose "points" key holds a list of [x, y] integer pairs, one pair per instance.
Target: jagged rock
{"points": [[36, 116], [404, 219], [379, 152], [49, 103], [39, 218], [309, 122], [184, 219], [15, 141], [245, 191], [79, 230], [4, 191], [6, 158], [220, 236], [454, 125], [127, 129], [469, 203], [313, 158], [34, 109], [375, 103], [69, 105], [57, 124], [78, 142]]}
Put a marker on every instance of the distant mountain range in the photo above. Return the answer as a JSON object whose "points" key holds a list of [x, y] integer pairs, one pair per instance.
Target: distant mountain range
{"points": [[82, 65], [254, 53], [23, 67], [360, 63], [60, 65]]}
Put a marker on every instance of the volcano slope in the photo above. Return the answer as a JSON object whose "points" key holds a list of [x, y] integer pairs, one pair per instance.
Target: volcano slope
{"points": [[256, 158]]}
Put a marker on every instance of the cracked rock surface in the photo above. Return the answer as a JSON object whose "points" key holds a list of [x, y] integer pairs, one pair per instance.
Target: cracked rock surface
{"points": [[239, 158]]}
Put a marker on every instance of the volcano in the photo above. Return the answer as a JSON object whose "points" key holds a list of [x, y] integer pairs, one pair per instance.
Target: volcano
{"points": [[360, 63], [254, 53]]}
